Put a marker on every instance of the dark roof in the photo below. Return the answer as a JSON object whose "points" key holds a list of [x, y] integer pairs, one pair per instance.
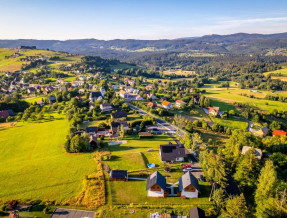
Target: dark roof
{"points": [[52, 98], [186, 180], [91, 129], [119, 174], [95, 94], [232, 187], [196, 212], [11, 112], [156, 178], [119, 114], [93, 139], [117, 124], [106, 105], [170, 152]]}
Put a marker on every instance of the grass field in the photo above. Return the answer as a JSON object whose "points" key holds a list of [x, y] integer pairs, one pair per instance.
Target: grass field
{"points": [[179, 72], [237, 95], [32, 100], [34, 164], [132, 156], [282, 72], [231, 123]]}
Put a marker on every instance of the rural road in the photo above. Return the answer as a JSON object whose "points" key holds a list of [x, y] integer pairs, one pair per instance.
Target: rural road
{"points": [[173, 129]]}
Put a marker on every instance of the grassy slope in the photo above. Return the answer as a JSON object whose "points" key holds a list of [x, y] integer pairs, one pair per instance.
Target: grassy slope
{"points": [[34, 164]]}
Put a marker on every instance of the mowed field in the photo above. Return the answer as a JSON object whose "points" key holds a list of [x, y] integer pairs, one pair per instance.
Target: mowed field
{"points": [[34, 164], [232, 95]]}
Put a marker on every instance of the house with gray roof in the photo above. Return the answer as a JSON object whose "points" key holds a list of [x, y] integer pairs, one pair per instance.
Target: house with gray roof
{"points": [[188, 186], [156, 185], [172, 153]]}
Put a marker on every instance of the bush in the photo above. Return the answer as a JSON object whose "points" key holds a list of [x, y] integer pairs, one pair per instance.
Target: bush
{"points": [[47, 210]]}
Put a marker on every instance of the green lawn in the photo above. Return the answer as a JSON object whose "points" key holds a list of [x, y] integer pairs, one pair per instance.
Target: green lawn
{"points": [[34, 99], [135, 192], [231, 123], [133, 155], [223, 106], [34, 164]]}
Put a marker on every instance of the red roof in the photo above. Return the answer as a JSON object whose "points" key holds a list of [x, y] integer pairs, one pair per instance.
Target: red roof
{"points": [[151, 104], [4, 114], [279, 133]]}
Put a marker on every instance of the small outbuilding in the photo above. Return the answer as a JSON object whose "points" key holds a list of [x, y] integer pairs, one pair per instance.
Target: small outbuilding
{"points": [[118, 175]]}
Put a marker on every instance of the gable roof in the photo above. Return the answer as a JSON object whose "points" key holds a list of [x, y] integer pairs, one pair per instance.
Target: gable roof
{"points": [[165, 103], [216, 109], [170, 152], [106, 105], [156, 178], [279, 133], [196, 212], [186, 180]]}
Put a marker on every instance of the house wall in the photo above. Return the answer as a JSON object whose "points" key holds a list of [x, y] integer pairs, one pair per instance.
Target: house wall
{"points": [[179, 159], [157, 194], [189, 194]]}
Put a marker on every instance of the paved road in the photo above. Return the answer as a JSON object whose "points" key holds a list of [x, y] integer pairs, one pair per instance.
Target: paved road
{"points": [[171, 128]]}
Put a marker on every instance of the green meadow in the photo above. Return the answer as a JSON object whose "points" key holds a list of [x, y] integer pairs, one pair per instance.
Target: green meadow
{"points": [[34, 164]]}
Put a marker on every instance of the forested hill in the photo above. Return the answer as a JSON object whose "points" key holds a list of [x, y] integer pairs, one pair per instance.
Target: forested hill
{"points": [[240, 43]]}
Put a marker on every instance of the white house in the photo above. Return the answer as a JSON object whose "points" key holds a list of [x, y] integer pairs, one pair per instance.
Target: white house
{"points": [[156, 185], [179, 103], [188, 186]]}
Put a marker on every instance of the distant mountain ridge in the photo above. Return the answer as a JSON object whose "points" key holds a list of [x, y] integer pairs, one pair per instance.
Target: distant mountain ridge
{"points": [[239, 43]]}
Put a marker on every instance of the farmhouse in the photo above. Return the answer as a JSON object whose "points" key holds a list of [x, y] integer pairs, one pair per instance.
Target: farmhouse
{"points": [[106, 107], [188, 186], [172, 153], [118, 175], [166, 105], [156, 185], [279, 133], [258, 152], [123, 94]]}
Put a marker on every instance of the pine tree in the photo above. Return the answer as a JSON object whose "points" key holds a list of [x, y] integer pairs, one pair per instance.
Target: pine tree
{"points": [[235, 207], [266, 188], [247, 168]]}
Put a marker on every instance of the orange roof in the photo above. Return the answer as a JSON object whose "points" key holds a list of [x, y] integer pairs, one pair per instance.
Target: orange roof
{"points": [[279, 132], [122, 92], [178, 101], [165, 103]]}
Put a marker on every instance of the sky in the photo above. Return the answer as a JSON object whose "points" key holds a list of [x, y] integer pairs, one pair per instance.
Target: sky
{"points": [[138, 19]]}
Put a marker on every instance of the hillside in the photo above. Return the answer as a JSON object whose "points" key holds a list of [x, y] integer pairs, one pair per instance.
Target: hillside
{"points": [[240, 43]]}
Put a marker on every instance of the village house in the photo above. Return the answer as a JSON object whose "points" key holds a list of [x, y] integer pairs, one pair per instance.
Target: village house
{"points": [[139, 98], [261, 132], [148, 87], [123, 94], [115, 87], [93, 141], [188, 186], [172, 153], [118, 175], [40, 103], [196, 100], [151, 96], [116, 125], [156, 185], [106, 107], [213, 111], [179, 103], [258, 152], [167, 105], [279, 133], [95, 96], [52, 99], [151, 104], [91, 130]]}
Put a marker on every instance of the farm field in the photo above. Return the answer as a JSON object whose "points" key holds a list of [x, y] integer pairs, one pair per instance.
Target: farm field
{"points": [[41, 169], [231, 123], [278, 74], [179, 72], [34, 99], [236, 95]]}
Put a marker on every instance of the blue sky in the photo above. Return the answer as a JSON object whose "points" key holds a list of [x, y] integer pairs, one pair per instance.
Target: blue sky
{"points": [[138, 19]]}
